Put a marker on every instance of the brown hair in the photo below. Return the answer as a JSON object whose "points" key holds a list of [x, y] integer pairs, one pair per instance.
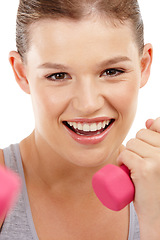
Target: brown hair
{"points": [[30, 11]]}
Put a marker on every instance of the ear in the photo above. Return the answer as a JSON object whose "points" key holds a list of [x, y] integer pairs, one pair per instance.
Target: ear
{"points": [[19, 71], [146, 62]]}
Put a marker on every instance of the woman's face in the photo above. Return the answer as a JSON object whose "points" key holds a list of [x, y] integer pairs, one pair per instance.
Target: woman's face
{"points": [[84, 78]]}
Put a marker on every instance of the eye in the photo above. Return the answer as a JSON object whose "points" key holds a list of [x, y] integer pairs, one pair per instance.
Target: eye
{"points": [[59, 76], [112, 72]]}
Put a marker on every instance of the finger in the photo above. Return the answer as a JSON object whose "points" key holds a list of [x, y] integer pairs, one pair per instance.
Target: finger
{"points": [[149, 136], [139, 168], [155, 126], [149, 122], [130, 159], [141, 148]]}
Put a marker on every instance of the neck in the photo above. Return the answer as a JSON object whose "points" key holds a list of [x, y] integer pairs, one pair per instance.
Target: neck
{"points": [[47, 168]]}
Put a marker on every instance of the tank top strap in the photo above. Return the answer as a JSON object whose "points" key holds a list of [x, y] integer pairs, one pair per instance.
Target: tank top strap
{"points": [[134, 233]]}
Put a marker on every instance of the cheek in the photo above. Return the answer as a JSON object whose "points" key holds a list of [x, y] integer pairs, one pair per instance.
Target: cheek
{"points": [[125, 98], [124, 101], [48, 103]]}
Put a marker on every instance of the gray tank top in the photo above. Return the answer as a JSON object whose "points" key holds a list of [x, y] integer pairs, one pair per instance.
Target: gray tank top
{"points": [[19, 224]]}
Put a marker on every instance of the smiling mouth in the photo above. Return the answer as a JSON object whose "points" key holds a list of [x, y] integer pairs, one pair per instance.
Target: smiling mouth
{"points": [[88, 129]]}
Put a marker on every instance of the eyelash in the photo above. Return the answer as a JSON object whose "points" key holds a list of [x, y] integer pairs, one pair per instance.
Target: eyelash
{"points": [[62, 76], [112, 72]]}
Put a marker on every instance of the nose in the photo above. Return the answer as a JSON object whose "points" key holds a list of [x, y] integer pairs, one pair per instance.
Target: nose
{"points": [[88, 97]]}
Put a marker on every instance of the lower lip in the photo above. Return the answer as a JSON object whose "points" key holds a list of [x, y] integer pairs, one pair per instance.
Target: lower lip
{"points": [[89, 140]]}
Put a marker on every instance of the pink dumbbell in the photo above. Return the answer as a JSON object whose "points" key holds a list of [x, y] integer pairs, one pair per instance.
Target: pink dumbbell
{"points": [[113, 186], [10, 185]]}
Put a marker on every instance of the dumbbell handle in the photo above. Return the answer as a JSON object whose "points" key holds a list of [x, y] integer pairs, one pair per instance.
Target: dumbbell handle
{"points": [[113, 186]]}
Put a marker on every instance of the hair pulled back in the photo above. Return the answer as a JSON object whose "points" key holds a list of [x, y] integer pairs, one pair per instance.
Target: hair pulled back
{"points": [[30, 11]]}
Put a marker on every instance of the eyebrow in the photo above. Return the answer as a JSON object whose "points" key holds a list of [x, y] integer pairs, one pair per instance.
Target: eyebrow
{"points": [[115, 60], [49, 65]]}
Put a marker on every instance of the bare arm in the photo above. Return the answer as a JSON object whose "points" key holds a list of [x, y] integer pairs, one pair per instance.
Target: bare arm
{"points": [[142, 157], [1, 164]]}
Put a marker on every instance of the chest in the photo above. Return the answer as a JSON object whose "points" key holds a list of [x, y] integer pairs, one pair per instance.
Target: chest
{"points": [[61, 220]]}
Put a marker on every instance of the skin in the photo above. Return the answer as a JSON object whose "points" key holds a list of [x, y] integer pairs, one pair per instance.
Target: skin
{"points": [[52, 159], [142, 156], [55, 102]]}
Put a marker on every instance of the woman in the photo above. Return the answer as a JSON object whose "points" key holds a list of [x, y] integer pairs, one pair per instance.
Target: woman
{"points": [[83, 62]]}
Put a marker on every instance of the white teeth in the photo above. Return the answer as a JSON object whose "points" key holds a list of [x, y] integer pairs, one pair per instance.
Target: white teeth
{"points": [[107, 122], [92, 127], [74, 125], [104, 124], [99, 125], [70, 123], [79, 126], [86, 128]]}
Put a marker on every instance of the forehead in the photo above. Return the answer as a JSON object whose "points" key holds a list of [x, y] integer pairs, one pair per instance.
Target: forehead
{"points": [[65, 38]]}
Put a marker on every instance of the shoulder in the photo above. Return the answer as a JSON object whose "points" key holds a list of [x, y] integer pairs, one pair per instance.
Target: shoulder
{"points": [[1, 164], [1, 158]]}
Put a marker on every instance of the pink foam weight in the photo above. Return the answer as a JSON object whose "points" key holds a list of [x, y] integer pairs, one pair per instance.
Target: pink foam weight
{"points": [[113, 186], [10, 185]]}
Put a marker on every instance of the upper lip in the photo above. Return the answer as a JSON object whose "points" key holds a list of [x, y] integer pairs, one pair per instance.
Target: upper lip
{"points": [[89, 120]]}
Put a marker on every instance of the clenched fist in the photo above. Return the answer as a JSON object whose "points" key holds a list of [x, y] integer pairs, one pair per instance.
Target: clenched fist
{"points": [[142, 157]]}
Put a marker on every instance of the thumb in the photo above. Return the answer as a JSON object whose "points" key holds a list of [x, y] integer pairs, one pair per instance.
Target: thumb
{"points": [[149, 123]]}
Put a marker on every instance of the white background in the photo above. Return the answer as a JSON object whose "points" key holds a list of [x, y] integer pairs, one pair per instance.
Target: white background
{"points": [[16, 117]]}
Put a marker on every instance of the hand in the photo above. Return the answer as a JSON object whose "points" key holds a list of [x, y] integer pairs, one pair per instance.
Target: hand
{"points": [[142, 157]]}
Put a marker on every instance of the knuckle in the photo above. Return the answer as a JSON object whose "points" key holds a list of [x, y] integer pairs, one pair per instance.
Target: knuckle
{"points": [[147, 169], [150, 169], [144, 171], [140, 133], [130, 143], [124, 156], [125, 153]]}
